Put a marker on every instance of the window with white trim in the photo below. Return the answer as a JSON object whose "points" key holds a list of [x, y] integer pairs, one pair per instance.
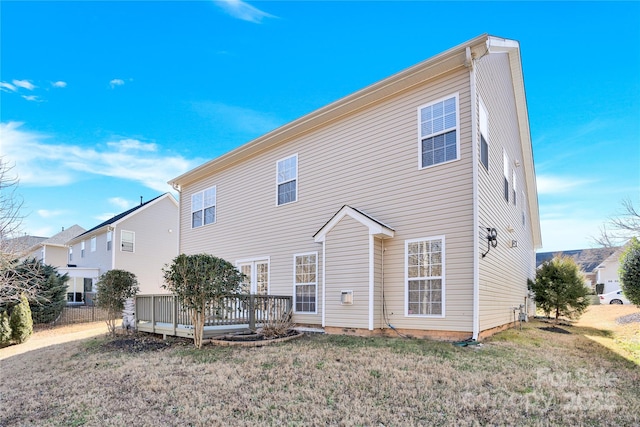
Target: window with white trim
{"points": [[203, 207], [93, 244], [70, 254], [305, 285], [439, 132], [287, 180], [524, 217], [82, 249], [127, 241], [515, 187], [424, 271], [484, 136], [109, 239], [505, 165]]}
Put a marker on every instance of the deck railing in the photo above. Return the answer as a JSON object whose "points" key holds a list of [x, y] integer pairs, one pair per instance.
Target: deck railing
{"points": [[166, 315]]}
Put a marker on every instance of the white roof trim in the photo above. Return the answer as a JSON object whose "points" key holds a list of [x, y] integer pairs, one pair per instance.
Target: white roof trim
{"points": [[376, 228]]}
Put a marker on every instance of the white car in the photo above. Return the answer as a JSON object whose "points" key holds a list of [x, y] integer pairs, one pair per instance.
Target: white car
{"points": [[615, 297]]}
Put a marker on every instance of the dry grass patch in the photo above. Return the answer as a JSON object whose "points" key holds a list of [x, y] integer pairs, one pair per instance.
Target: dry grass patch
{"points": [[527, 377]]}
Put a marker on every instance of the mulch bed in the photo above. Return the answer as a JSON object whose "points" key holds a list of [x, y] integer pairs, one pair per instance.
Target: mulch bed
{"points": [[629, 318], [141, 342]]}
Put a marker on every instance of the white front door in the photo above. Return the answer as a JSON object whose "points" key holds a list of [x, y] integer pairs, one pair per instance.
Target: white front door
{"points": [[257, 276]]}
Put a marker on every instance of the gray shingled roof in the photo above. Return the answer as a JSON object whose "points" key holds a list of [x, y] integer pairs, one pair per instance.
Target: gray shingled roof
{"points": [[587, 259], [64, 236]]}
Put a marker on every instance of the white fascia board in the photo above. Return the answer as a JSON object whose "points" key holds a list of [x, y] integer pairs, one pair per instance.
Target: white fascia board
{"points": [[375, 228], [499, 45]]}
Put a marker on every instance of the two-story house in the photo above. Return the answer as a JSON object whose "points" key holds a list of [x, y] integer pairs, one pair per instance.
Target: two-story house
{"points": [[54, 251], [141, 240], [408, 205]]}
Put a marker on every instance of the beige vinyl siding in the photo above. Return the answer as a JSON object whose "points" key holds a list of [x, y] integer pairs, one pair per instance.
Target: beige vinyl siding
{"points": [[155, 245], [368, 160], [56, 256], [504, 271], [347, 268]]}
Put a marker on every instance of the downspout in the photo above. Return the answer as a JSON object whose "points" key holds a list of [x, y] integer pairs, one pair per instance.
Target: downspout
{"points": [[113, 245], [178, 189], [476, 220], [324, 281], [371, 279]]}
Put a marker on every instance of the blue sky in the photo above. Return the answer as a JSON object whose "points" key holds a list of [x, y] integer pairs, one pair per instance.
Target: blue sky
{"points": [[104, 102]]}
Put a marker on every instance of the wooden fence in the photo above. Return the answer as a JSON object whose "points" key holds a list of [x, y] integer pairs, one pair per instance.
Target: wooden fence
{"points": [[163, 314]]}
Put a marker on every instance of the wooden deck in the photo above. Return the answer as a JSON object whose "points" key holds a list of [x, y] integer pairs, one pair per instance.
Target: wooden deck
{"points": [[163, 314]]}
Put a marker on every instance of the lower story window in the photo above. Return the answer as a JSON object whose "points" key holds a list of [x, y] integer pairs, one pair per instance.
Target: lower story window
{"points": [[305, 282], [424, 269]]}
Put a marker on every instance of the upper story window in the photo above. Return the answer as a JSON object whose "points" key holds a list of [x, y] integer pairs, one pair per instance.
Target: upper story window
{"points": [[484, 136], [515, 187], [93, 244], [70, 254], [424, 272], [109, 239], [203, 207], [505, 165], [82, 249], [287, 180], [127, 241], [439, 132]]}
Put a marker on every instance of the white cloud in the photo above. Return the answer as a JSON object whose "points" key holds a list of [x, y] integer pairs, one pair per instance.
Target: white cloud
{"points": [[32, 98], [132, 144], [549, 184], [45, 213], [120, 203], [7, 87], [237, 118], [116, 82], [41, 162], [241, 10], [59, 83], [25, 84]]}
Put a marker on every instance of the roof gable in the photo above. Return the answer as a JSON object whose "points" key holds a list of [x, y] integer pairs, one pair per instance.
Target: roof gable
{"points": [[64, 236], [126, 214], [376, 228]]}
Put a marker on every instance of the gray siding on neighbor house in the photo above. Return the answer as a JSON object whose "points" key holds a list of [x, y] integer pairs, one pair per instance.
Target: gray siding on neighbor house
{"points": [[367, 160], [100, 258], [156, 243], [505, 269], [347, 268]]}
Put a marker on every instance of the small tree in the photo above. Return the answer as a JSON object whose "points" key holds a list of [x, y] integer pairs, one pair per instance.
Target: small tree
{"points": [[50, 295], [559, 288], [5, 329], [630, 272], [198, 282], [21, 322], [114, 287]]}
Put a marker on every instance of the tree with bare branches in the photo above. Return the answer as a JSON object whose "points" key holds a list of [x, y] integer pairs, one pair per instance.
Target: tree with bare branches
{"points": [[621, 227], [14, 281]]}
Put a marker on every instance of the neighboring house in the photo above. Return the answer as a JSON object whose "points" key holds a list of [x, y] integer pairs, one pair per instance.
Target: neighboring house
{"points": [[373, 212], [54, 250], [607, 271], [20, 246], [141, 240], [587, 259]]}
